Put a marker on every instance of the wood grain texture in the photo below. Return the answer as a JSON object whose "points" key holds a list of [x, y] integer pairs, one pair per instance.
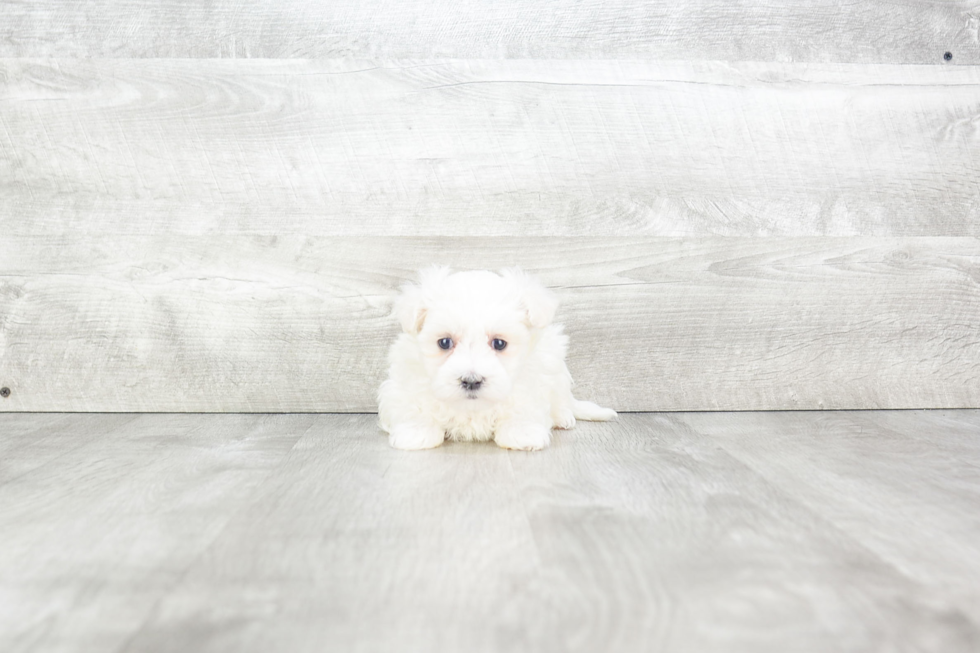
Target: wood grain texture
{"points": [[94, 537], [32, 440], [875, 476], [710, 532], [654, 537], [236, 323], [488, 148], [902, 31]]}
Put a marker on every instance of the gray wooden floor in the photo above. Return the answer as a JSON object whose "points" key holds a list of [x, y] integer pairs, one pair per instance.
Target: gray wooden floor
{"points": [[835, 531]]}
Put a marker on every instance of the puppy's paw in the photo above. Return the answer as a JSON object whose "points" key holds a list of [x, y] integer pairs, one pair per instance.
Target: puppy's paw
{"points": [[523, 436], [411, 437], [564, 419]]}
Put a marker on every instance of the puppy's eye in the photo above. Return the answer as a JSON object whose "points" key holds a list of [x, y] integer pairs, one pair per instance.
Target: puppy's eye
{"points": [[498, 344], [445, 343]]}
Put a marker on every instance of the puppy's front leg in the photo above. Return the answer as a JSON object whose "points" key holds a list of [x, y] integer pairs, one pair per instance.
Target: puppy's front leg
{"points": [[523, 434], [416, 435]]}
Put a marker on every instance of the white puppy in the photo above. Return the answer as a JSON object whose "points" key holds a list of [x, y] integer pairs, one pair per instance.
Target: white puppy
{"points": [[479, 359]]}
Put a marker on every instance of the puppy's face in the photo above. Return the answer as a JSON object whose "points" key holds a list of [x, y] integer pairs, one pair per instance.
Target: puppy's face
{"points": [[473, 330]]}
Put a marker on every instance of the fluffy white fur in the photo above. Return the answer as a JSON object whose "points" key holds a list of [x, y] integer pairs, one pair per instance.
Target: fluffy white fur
{"points": [[474, 389]]}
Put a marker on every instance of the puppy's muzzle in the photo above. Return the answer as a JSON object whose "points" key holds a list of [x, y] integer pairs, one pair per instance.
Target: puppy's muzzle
{"points": [[471, 383]]}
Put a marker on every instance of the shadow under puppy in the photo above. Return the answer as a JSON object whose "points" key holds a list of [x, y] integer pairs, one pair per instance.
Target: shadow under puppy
{"points": [[479, 359]]}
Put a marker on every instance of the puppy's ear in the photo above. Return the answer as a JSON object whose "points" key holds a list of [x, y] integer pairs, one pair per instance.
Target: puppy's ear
{"points": [[409, 309], [411, 305], [539, 302]]}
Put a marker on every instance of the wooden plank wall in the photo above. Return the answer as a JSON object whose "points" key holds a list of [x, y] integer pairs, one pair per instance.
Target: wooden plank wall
{"points": [[206, 207]]}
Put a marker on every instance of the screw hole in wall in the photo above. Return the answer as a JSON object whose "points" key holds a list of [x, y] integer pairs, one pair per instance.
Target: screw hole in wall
{"points": [[948, 56], [4, 392]]}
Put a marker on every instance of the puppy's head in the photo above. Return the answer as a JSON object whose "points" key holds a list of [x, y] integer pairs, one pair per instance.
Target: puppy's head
{"points": [[474, 329]]}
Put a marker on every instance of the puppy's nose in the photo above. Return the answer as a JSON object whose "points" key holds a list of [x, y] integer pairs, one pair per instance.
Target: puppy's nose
{"points": [[471, 382]]}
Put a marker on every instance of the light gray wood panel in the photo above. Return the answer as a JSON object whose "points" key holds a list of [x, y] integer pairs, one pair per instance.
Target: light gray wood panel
{"points": [[361, 547], [94, 538], [235, 323], [903, 31], [880, 477], [652, 537], [496, 148], [35, 440], [710, 532], [958, 429]]}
